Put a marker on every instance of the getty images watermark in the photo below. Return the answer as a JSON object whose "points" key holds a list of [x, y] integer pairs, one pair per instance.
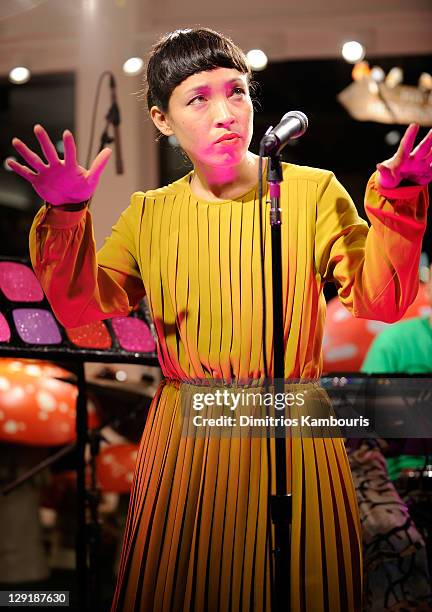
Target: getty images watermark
{"points": [[303, 409], [363, 407]]}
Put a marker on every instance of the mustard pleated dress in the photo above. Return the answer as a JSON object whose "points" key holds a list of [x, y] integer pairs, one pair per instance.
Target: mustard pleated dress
{"points": [[198, 535]]}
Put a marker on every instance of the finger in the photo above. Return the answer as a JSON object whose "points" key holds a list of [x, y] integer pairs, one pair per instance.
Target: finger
{"points": [[407, 142], [31, 158], [70, 157], [386, 176], [423, 148], [21, 170], [46, 144], [99, 164]]}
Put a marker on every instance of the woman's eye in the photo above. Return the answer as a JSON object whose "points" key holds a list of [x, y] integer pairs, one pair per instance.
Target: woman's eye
{"points": [[197, 99], [238, 90]]}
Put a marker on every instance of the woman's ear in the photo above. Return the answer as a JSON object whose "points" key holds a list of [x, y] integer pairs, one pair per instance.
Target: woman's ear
{"points": [[161, 121]]}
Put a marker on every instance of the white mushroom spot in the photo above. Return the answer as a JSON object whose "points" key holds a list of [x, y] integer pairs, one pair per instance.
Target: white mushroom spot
{"points": [[53, 385], [16, 394], [376, 327], [33, 370], [63, 407], [16, 366], [43, 416], [134, 455], [341, 314], [64, 427], [46, 401], [107, 459], [345, 351], [10, 427], [4, 384], [129, 476]]}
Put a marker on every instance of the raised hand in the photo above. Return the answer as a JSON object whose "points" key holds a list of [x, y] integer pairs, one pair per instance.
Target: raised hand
{"points": [[58, 181], [412, 165]]}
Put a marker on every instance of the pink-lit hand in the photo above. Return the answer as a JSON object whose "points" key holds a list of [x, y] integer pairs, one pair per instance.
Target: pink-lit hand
{"points": [[412, 165], [58, 181]]}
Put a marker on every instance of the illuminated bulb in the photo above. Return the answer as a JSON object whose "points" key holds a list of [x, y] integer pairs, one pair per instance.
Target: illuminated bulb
{"points": [[353, 51], [133, 66], [377, 74], [360, 71], [392, 138], [394, 77], [373, 88], [19, 75], [121, 375], [425, 81], [257, 59]]}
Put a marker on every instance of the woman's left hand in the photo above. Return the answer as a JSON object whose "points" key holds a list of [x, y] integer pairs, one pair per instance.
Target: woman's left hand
{"points": [[414, 166]]}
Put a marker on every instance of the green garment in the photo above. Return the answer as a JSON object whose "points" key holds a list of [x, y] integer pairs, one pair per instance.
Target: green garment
{"points": [[404, 347]]}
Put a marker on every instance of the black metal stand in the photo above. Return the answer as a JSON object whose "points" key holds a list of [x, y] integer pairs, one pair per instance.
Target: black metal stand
{"points": [[81, 538], [281, 503]]}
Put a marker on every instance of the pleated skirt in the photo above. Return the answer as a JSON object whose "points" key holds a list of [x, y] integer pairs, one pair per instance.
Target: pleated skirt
{"points": [[199, 536]]}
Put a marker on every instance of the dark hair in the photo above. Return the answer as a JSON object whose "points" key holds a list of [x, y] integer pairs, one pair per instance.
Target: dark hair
{"points": [[179, 54]]}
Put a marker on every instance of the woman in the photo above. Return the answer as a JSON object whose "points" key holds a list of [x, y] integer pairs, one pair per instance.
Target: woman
{"points": [[197, 530]]}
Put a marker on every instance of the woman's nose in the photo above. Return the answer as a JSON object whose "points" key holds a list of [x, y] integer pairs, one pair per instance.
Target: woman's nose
{"points": [[223, 115]]}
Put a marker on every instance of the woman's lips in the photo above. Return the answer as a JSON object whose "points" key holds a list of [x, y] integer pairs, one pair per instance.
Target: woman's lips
{"points": [[231, 137]]}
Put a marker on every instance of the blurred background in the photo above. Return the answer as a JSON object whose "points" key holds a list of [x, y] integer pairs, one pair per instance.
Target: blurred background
{"points": [[361, 71], [66, 46]]}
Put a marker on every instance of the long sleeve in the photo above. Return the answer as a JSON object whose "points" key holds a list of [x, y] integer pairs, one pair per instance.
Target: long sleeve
{"points": [[80, 285], [376, 268]]}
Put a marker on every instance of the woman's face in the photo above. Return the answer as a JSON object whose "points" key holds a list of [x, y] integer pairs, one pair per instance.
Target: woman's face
{"points": [[211, 115]]}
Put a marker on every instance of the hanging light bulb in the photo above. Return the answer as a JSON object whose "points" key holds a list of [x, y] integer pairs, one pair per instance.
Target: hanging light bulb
{"points": [[133, 66], [377, 74], [353, 51], [257, 59], [394, 77], [425, 81], [19, 75], [360, 71]]}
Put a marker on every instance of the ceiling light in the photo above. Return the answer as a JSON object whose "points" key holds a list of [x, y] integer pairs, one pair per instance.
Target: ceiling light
{"points": [[19, 75], [133, 66], [353, 51], [257, 59]]}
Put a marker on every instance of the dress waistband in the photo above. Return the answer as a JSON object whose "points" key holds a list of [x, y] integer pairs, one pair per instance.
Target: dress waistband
{"points": [[258, 383]]}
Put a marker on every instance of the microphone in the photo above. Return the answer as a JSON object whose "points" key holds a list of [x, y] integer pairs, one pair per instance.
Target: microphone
{"points": [[114, 118], [292, 125]]}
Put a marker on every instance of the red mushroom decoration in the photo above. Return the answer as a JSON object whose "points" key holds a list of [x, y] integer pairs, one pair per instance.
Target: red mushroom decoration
{"points": [[35, 408], [347, 339], [115, 467]]}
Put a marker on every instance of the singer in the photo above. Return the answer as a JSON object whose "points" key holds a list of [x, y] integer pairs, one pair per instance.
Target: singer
{"points": [[198, 535]]}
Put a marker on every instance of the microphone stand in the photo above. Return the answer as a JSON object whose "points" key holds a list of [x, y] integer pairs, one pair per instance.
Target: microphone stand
{"points": [[113, 118], [281, 502]]}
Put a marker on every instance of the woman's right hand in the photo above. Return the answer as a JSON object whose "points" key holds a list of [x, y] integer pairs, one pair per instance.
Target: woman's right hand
{"points": [[59, 181]]}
